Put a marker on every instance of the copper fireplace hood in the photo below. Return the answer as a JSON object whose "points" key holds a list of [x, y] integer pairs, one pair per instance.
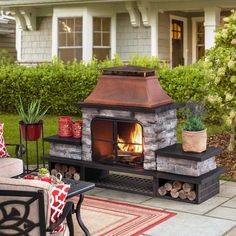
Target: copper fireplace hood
{"points": [[130, 86]]}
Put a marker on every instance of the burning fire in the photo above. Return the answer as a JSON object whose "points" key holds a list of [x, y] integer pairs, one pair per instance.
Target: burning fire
{"points": [[135, 137]]}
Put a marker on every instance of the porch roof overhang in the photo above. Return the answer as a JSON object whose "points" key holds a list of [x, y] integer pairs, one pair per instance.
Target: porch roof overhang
{"points": [[161, 4]]}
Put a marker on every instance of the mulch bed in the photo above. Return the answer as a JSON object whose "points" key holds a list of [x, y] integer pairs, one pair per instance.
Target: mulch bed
{"points": [[226, 159]]}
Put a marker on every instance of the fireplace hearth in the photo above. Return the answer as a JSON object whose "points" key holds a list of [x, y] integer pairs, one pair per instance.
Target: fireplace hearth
{"points": [[129, 127]]}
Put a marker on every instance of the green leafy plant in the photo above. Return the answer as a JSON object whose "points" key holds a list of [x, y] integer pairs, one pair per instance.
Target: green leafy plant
{"points": [[43, 171], [33, 114], [194, 117], [220, 62]]}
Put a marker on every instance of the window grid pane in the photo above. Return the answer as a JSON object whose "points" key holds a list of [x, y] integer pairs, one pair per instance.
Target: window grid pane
{"points": [[101, 37], [70, 38]]}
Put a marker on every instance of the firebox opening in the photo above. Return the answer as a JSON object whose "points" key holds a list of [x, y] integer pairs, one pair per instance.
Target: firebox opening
{"points": [[117, 141]]}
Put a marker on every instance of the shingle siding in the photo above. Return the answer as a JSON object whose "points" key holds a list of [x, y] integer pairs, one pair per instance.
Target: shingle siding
{"points": [[37, 45], [130, 40], [164, 36]]}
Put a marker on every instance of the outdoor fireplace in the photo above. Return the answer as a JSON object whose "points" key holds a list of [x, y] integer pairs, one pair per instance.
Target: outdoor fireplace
{"points": [[117, 141], [126, 118], [129, 126]]}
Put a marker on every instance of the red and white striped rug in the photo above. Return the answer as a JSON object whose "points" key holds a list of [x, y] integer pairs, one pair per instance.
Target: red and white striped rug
{"points": [[112, 218]]}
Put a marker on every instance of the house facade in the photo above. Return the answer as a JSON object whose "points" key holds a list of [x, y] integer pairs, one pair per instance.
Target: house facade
{"points": [[177, 31], [7, 34]]}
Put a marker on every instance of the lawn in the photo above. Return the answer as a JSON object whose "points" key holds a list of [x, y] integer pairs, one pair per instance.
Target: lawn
{"points": [[12, 134]]}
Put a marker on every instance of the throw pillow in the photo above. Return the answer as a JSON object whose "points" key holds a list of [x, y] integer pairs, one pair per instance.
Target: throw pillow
{"points": [[3, 150], [57, 203]]}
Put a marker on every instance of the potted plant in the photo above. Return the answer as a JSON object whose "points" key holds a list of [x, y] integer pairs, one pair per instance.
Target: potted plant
{"points": [[43, 172], [31, 119], [194, 133]]}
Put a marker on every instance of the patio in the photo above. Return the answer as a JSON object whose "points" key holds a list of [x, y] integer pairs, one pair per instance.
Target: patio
{"points": [[215, 217]]}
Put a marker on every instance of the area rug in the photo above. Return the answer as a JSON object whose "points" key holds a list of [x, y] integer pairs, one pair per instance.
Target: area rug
{"points": [[111, 218]]}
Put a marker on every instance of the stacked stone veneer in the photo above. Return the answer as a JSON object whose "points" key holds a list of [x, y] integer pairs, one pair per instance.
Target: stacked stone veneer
{"points": [[159, 131], [185, 167]]}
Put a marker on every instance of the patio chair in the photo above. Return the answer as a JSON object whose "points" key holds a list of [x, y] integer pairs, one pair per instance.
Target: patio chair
{"points": [[24, 208], [13, 166]]}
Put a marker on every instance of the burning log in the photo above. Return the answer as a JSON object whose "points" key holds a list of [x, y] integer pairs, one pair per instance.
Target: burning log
{"points": [[174, 193], [177, 185], [162, 191], [168, 186], [191, 195], [188, 187]]}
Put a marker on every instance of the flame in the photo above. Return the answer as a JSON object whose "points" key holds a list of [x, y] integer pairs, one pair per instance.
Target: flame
{"points": [[135, 137]]}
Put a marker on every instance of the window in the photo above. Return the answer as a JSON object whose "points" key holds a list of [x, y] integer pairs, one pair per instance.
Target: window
{"points": [[176, 31], [70, 39], [101, 37], [200, 42]]}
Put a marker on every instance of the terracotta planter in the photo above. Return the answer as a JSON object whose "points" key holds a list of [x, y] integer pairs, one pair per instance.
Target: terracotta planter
{"points": [[31, 132], [194, 141], [77, 129]]}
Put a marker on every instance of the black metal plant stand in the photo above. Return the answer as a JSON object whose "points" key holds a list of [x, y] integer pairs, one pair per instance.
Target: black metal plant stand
{"points": [[36, 148]]}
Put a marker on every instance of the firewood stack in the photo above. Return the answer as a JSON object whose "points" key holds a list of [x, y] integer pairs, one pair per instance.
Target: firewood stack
{"points": [[69, 172], [177, 189]]}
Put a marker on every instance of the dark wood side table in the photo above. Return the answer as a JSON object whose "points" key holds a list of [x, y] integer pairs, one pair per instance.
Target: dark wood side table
{"points": [[78, 188]]}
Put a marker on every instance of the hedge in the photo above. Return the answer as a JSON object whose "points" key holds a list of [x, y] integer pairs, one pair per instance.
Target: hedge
{"points": [[62, 85]]}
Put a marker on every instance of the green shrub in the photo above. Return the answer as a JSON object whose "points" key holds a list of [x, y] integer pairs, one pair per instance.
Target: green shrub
{"points": [[5, 57], [61, 86]]}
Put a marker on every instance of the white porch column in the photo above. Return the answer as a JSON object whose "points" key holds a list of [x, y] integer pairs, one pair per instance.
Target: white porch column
{"points": [[18, 42], [212, 20], [154, 31]]}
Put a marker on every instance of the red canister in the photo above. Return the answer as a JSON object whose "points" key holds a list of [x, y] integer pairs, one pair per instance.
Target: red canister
{"points": [[77, 129], [65, 126]]}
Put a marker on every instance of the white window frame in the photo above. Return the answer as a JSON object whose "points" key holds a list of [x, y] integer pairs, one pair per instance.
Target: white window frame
{"points": [[112, 16], [106, 47], [185, 39], [195, 20], [64, 13], [87, 16]]}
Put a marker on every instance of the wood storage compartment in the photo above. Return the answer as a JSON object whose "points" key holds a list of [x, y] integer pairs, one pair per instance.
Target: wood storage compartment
{"points": [[188, 189], [177, 190]]}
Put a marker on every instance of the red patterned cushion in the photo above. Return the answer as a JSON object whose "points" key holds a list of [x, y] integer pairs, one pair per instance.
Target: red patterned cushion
{"points": [[57, 203], [3, 150]]}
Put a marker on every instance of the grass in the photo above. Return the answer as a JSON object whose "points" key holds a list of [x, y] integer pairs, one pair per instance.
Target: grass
{"points": [[12, 134]]}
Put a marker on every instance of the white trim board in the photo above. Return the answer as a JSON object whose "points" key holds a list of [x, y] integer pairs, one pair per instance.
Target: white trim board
{"points": [[194, 36], [185, 42]]}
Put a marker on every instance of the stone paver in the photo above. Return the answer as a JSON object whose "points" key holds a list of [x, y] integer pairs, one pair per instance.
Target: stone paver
{"points": [[230, 203], [122, 196], [94, 191], [227, 189], [223, 212], [185, 224], [214, 217], [232, 232], [186, 207]]}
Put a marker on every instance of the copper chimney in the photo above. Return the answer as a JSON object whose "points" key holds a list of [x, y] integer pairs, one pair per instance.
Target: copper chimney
{"points": [[128, 86]]}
